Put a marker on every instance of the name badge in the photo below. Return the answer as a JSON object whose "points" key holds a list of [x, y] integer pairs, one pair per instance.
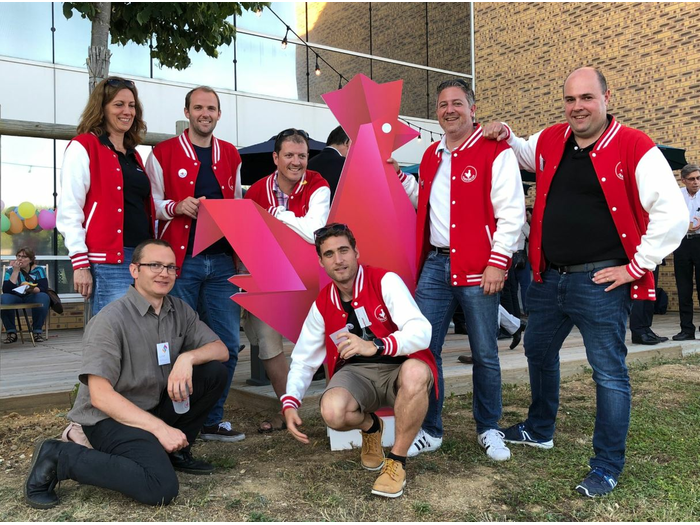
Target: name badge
{"points": [[362, 317], [163, 351]]}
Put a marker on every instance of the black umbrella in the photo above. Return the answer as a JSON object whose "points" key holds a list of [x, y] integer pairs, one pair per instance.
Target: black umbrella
{"points": [[257, 159]]}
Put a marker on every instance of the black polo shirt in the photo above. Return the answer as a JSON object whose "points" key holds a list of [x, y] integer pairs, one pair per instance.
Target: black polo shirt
{"points": [[577, 226], [136, 193]]}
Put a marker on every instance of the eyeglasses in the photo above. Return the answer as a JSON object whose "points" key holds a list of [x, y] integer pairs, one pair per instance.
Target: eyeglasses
{"points": [[120, 82], [335, 227], [292, 131], [158, 267]]}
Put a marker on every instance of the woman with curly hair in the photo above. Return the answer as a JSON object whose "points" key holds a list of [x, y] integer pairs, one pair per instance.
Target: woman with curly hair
{"points": [[105, 208]]}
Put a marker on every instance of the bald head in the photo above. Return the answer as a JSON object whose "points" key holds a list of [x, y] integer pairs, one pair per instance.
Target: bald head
{"points": [[588, 71]]}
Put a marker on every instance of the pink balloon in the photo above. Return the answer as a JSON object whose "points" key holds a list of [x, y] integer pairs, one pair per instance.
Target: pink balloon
{"points": [[47, 219]]}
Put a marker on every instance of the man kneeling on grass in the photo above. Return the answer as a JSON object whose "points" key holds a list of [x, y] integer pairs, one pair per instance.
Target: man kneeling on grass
{"points": [[367, 326], [151, 373]]}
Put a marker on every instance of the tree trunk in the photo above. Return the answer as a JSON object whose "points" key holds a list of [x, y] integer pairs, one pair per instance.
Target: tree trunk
{"points": [[98, 52]]}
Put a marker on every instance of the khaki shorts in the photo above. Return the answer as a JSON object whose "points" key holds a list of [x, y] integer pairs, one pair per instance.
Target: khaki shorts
{"points": [[372, 385], [262, 335]]}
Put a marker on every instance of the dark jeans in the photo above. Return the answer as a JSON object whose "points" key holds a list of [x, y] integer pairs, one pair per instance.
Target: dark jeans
{"points": [[437, 300], [131, 460], [556, 305], [642, 314], [686, 265], [38, 314]]}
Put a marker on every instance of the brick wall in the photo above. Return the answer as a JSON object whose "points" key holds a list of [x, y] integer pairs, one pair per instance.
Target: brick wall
{"points": [[649, 53]]}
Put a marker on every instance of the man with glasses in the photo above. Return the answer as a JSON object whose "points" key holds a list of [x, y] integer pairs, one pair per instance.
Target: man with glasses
{"points": [[368, 329], [686, 258], [141, 354], [471, 209], [607, 211], [184, 171], [300, 198]]}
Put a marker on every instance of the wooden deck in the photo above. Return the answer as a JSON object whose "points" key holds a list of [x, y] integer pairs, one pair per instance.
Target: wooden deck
{"points": [[43, 377]]}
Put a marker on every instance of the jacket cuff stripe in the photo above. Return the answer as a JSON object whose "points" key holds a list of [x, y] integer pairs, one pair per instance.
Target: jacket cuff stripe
{"points": [[634, 270], [80, 260], [499, 261], [289, 402], [402, 176]]}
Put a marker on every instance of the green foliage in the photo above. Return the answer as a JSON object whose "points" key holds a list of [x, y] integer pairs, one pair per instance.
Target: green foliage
{"points": [[176, 27]]}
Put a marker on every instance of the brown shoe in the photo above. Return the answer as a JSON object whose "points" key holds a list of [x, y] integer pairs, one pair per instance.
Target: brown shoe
{"points": [[372, 455], [391, 481]]}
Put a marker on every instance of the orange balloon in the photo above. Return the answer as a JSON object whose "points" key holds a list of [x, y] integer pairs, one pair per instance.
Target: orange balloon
{"points": [[32, 222], [16, 225]]}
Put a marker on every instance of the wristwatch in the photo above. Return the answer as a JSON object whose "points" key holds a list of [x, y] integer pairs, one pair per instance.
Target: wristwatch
{"points": [[380, 345]]}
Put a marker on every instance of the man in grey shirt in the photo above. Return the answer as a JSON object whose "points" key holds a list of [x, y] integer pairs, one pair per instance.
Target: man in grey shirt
{"points": [[141, 353]]}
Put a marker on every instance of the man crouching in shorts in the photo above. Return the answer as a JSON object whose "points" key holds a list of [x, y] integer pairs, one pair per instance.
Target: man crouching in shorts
{"points": [[374, 339]]}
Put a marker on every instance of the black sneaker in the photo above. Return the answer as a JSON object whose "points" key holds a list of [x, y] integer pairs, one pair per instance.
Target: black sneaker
{"points": [[518, 434], [42, 478], [183, 461], [221, 432], [599, 482]]}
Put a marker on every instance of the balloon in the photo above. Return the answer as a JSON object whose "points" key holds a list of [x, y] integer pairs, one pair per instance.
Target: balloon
{"points": [[32, 222], [2, 204], [16, 225], [26, 210], [5, 223], [47, 219]]}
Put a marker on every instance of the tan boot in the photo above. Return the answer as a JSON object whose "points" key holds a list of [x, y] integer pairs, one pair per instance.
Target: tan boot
{"points": [[372, 455], [391, 481]]}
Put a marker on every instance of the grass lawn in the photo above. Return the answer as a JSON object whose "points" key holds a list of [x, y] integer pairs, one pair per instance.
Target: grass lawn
{"points": [[275, 478]]}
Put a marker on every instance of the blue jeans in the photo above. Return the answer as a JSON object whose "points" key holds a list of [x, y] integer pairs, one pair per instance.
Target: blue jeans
{"points": [[38, 314], [437, 299], [204, 285], [110, 281], [556, 305]]}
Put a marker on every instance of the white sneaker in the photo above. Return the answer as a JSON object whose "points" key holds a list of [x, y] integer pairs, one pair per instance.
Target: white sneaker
{"points": [[492, 441], [424, 443]]}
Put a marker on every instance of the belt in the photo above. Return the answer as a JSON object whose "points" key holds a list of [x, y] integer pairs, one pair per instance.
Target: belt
{"points": [[440, 251], [692, 235], [587, 267]]}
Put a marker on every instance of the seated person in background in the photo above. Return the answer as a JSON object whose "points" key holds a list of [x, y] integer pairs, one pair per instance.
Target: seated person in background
{"points": [[142, 354], [24, 271], [367, 327]]}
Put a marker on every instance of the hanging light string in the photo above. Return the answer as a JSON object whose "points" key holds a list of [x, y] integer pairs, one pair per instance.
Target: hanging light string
{"points": [[341, 77]]}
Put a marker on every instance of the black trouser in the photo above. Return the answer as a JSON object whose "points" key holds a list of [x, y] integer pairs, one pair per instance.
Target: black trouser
{"points": [[132, 461], [509, 295], [686, 263], [642, 313]]}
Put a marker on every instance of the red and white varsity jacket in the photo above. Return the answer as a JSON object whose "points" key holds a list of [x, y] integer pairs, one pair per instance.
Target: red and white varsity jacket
{"points": [[486, 203], [309, 203], [173, 167], [394, 317], [90, 210], [642, 194]]}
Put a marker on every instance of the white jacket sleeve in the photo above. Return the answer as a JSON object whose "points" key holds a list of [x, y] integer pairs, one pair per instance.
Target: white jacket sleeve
{"points": [[155, 175], [668, 213], [508, 201], [75, 184], [414, 330], [315, 218], [307, 357], [410, 185], [525, 149]]}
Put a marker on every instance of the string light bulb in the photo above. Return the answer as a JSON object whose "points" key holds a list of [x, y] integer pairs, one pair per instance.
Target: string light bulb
{"points": [[284, 40], [420, 135], [318, 69]]}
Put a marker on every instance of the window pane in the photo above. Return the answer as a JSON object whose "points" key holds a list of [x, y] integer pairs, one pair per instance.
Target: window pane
{"points": [[291, 12], [344, 25], [415, 101], [398, 31], [265, 68], [348, 65], [214, 72], [130, 59], [446, 18], [72, 38], [17, 21], [27, 172]]}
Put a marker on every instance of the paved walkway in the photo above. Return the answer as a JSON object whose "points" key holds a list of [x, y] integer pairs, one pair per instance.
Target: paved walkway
{"points": [[43, 377]]}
